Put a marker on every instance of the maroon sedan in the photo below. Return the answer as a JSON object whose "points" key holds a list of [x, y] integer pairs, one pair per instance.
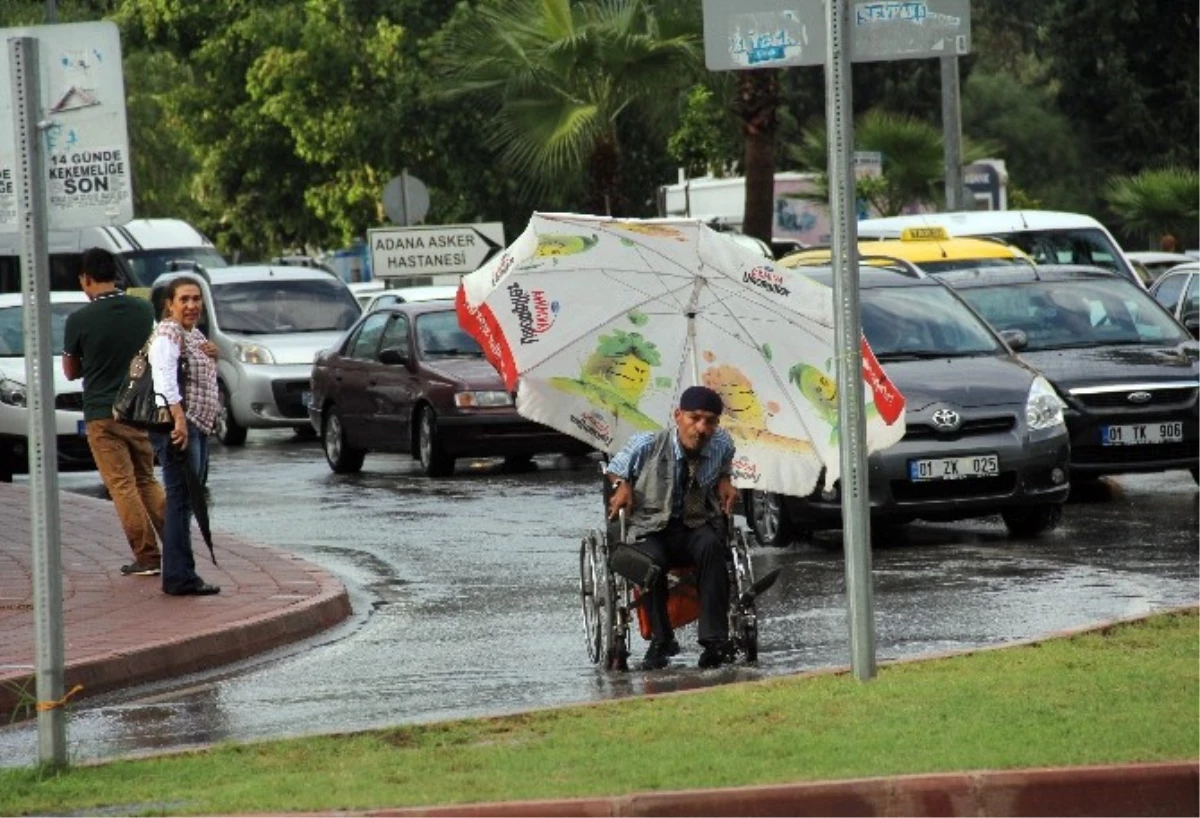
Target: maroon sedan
{"points": [[406, 378]]}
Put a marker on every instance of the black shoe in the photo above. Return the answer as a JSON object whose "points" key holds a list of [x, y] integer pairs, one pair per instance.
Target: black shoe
{"points": [[671, 647], [197, 588], [657, 656], [716, 654], [141, 569]]}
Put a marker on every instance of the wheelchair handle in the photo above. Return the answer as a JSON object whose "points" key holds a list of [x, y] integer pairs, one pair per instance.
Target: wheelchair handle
{"points": [[624, 521]]}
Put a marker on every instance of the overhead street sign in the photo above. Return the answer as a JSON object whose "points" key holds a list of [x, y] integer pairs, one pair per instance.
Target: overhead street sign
{"points": [[404, 252], [745, 34], [88, 178]]}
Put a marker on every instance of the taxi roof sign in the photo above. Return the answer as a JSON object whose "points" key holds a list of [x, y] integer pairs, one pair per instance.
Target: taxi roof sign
{"points": [[924, 234]]}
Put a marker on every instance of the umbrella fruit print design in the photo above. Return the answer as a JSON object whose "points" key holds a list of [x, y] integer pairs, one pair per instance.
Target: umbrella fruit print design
{"points": [[616, 375]]}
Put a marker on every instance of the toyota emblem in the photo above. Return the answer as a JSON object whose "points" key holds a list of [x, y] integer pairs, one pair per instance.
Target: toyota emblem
{"points": [[1140, 397], [946, 420]]}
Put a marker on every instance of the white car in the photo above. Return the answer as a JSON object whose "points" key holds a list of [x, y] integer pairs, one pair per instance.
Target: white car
{"points": [[268, 323], [404, 295], [73, 451]]}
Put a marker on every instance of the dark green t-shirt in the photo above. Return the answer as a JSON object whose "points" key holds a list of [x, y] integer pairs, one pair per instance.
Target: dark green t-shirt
{"points": [[105, 335]]}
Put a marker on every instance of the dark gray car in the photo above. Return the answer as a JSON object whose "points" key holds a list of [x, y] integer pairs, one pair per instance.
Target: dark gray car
{"points": [[1125, 367], [984, 431]]}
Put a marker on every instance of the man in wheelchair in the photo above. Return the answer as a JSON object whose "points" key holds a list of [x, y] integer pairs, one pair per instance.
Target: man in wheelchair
{"points": [[676, 490]]}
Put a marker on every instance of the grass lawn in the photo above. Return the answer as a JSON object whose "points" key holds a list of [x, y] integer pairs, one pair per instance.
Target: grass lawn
{"points": [[1129, 693]]}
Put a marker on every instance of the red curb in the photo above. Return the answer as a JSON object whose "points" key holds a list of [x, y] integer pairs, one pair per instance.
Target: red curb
{"points": [[123, 631]]}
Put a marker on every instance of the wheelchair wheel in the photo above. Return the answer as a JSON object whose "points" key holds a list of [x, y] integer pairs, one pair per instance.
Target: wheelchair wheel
{"points": [[616, 623], [591, 595], [743, 615]]}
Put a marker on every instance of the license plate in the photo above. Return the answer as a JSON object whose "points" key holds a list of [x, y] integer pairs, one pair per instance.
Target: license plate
{"points": [[954, 468], [1140, 434], [305, 398], [81, 428]]}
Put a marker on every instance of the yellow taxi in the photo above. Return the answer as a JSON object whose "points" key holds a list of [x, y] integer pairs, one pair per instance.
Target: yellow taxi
{"points": [[930, 248]]}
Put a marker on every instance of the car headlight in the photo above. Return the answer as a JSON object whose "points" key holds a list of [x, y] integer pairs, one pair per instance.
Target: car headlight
{"points": [[465, 400], [12, 392], [1043, 408], [253, 354]]}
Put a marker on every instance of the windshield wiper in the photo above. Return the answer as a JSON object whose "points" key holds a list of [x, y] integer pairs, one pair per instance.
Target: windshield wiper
{"points": [[914, 355]]}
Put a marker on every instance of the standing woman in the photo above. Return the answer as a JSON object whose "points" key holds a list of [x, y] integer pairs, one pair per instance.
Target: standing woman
{"points": [[190, 391]]}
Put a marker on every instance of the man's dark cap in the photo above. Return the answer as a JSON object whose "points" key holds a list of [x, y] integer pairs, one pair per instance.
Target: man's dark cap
{"points": [[700, 399]]}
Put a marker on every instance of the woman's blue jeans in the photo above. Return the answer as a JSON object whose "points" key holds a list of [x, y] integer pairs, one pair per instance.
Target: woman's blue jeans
{"points": [[178, 563]]}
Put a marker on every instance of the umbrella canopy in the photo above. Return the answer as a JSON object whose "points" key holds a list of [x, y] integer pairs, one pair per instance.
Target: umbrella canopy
{"points": [[599, 324]]}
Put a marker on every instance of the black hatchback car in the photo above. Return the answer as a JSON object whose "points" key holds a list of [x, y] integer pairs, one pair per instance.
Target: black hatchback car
{"points": [[984, 432], [1126, 369]]}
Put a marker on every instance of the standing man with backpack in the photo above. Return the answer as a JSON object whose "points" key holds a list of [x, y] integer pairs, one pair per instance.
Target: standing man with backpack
{"points": [[100, 340]]}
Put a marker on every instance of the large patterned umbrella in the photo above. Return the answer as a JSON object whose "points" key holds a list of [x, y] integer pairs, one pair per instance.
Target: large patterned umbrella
{"points": [[599, 324]]}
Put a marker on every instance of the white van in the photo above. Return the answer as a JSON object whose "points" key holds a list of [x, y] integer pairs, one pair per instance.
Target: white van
{"points": [[144, 249], [1049, 237]]}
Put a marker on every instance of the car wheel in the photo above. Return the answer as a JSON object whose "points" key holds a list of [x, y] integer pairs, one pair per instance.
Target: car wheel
{"points": [[769, 521], [226, 429], [343, 458], [7, 464], [1030, 521], [1195, 473], [434, 460]]}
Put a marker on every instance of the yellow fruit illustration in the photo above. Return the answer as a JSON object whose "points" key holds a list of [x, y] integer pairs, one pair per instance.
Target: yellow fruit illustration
{"points": [[819, 388], [658, 230], [737, 393], [552, 245], [627, 375]]}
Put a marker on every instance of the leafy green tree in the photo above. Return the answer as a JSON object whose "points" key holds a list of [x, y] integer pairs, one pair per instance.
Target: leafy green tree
{"points": [[559, 77], [1157, 202], [701, 143]]}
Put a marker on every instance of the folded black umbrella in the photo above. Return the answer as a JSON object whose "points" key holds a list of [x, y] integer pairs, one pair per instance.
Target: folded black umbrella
{"points": [[198, 499]]}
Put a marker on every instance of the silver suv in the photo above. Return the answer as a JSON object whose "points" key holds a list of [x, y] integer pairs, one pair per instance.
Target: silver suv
{"points": [[269, 322]]}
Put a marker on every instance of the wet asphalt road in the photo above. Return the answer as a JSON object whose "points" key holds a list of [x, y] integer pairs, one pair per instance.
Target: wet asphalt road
{"points": [[465, 592]]}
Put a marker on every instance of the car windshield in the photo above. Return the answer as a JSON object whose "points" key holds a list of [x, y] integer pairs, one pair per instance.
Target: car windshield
{"points": [[284, 305], [1076, 313], [439, 336], [922, 322], [12, 329], [1085, 245], [145, 266]]}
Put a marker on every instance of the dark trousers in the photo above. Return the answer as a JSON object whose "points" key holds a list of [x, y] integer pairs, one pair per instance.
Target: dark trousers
{"points": [[178, 563], [676, 546]]}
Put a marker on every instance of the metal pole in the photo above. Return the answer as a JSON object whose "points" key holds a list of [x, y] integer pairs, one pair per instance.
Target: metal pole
{"points": [[404, 197], [51, 12], [856, 510], [952, 132], [45, 535]]}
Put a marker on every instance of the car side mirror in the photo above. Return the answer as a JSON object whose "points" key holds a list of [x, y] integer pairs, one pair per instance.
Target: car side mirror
{"points": [[1015, 338], [1191, 320], [393, 356]]}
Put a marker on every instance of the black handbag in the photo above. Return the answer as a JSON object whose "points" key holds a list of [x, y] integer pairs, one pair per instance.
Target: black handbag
{"points": [[634, 565], [137, 402]]}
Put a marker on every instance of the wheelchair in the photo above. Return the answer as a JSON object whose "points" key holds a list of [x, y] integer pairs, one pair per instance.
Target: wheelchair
{"points": [[611, 603]]}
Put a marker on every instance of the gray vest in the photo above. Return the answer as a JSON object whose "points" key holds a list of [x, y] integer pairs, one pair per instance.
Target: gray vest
{"points": [[656, 485]]}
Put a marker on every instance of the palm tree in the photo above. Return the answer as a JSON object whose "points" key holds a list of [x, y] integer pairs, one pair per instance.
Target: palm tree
{"points": [[1158, 202], [913, 164], [755, 104], [561, 76]]}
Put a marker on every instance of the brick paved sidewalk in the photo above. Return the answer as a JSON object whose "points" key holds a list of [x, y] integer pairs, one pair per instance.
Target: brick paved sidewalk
{"points": [[121, 631]]}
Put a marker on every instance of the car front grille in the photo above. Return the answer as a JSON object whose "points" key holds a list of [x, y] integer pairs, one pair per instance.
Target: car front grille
{"points": [[289, 398], [69, 402], [905, 491], [976, 426], [1164, 398]]}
